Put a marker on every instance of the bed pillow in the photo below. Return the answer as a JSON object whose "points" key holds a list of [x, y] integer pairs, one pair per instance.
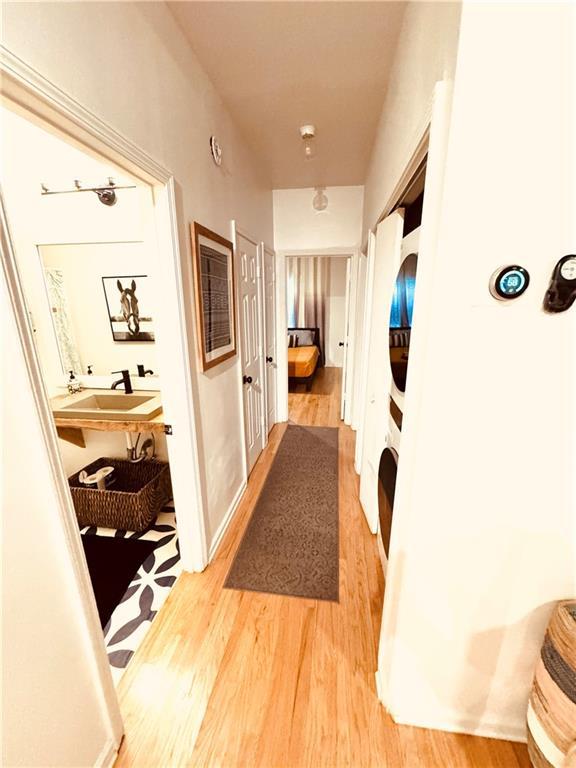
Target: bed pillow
{"points": [[293, 340], [305, 338]]}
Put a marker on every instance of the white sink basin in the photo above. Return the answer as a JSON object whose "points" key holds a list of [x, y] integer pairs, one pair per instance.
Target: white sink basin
{"points": [[108, 406]]}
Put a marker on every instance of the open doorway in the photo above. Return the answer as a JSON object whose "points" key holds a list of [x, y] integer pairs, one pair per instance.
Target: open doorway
{"points": [[318, 295], [85, 263]]}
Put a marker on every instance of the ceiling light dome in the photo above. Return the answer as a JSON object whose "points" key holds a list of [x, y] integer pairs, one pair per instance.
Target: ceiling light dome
{"points": [[320, 201]]}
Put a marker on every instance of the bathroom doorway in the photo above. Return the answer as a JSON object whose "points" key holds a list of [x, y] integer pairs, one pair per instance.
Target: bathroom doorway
{"points": [[104, 330]]}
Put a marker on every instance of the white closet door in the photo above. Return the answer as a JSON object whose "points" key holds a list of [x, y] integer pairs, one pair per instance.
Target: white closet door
{"points": [[386, 260], [251, 346]]}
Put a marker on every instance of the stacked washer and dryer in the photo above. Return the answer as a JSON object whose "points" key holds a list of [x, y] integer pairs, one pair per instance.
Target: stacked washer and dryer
{"points": [[399, 331]]}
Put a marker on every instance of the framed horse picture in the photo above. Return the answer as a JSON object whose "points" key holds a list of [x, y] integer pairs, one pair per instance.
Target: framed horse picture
{"points": [[214, 285], [129, 304]]}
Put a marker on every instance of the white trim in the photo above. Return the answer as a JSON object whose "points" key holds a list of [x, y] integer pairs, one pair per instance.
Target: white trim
{"points": [[108, 755], [227, 519], [266, 249], [27, 87], [468, 726], [179, 393], [436, 134], [282, 315], [67, 515], [366, 333]]}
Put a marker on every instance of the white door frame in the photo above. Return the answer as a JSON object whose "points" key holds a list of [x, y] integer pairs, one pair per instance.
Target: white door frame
{"points": [[282, 315], [236, 232], [43, 102], [264, 248], [433, 141], [366, 331]]}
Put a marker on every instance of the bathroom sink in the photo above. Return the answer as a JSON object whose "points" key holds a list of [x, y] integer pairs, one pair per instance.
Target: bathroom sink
{"points": [[108, 406]]}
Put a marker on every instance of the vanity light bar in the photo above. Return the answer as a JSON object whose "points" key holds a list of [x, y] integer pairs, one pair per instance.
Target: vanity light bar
{"points": [[110, 184]]}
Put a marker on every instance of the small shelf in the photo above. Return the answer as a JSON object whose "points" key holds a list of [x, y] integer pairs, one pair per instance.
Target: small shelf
{"points": [[155, 424]]}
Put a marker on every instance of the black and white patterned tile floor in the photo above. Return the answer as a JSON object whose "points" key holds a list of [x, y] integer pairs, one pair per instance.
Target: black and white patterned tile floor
{"points": [[147, 592]]}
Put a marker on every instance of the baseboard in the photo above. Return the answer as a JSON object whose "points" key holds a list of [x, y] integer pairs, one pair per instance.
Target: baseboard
{"points": [[470, 727], [108, 755], [226, 521]]}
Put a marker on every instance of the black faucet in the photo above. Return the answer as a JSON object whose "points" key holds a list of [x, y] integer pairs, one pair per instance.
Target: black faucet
{"points": [[142, 372], [124, 380]]}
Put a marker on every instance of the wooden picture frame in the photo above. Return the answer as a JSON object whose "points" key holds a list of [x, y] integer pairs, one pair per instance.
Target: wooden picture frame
{"points": [[213, 257]]}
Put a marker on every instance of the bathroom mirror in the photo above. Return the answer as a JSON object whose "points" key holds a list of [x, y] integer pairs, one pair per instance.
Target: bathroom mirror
{"points": [[401, 320], [101, 302]]}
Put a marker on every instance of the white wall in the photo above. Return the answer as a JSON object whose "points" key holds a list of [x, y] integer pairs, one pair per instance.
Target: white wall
{"points": [[153, 90], [425, 54], [51, 708], [483, 538], [297, 226]]}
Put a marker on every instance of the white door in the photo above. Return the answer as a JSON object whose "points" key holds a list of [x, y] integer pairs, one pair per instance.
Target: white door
{"points": [[345, 372], [250, 327], [271, 367]]}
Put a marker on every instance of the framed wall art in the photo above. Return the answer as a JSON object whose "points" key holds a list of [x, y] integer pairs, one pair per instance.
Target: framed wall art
{"points": [[129, 302], [214, 285]]}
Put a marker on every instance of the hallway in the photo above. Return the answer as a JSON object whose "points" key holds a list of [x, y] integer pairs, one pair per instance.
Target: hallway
{"points": [[228, 678]]}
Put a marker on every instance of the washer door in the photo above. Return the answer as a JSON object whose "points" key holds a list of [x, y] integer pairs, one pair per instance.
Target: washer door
{"points": [[387, 472]]}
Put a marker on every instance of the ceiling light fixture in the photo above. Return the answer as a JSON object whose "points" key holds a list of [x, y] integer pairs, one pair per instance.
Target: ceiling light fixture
{"points": [[320, 201], [308, 132]]}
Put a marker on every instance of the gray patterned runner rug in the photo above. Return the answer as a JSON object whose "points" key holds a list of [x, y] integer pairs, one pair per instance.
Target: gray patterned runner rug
{"points": [[290, 546]]}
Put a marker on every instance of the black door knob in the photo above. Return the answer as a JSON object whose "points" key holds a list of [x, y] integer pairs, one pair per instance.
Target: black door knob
{"points": [[247, 379], [340, 343], [269, 359]]}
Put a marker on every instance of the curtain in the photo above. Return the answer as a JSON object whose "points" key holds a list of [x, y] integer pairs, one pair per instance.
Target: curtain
{"points": [[307, 289], [403, 298], [63, 327]]}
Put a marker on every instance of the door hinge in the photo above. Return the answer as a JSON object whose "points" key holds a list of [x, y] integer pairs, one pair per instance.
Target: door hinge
{"points": [[167, 429]]}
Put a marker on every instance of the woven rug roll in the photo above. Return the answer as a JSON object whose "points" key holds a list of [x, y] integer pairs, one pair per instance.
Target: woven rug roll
{"points": [[552, 705]]}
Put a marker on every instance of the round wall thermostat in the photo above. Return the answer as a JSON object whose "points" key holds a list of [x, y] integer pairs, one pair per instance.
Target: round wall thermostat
{"points": [[509, 282]]}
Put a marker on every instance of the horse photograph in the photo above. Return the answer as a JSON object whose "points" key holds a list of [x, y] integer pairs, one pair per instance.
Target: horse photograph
{"points": [[127, 299]]}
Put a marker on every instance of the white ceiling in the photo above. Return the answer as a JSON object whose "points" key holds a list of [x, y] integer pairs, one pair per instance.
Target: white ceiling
{"points": [[279, 65]]}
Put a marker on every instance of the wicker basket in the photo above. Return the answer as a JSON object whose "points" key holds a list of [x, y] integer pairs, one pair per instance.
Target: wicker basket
{"points": [[552, 705], [133, 501]]}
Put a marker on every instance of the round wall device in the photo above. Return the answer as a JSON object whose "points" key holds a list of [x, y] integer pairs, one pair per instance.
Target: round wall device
{"points": [[216, 150], [509, 282]]}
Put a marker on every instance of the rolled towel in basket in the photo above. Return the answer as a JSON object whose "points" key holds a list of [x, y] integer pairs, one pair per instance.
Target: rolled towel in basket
{"points": [[98, 479]]}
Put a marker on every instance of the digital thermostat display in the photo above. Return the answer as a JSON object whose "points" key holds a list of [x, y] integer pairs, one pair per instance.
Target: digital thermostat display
{"points": [[509, 282], [568, 268]]}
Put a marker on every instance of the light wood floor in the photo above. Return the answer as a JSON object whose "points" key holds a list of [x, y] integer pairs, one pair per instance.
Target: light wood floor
{"points": [[321, 406], [227, 678]]}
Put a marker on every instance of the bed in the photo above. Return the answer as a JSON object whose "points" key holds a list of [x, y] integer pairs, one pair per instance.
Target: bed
{"points": [[304, 359]]}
